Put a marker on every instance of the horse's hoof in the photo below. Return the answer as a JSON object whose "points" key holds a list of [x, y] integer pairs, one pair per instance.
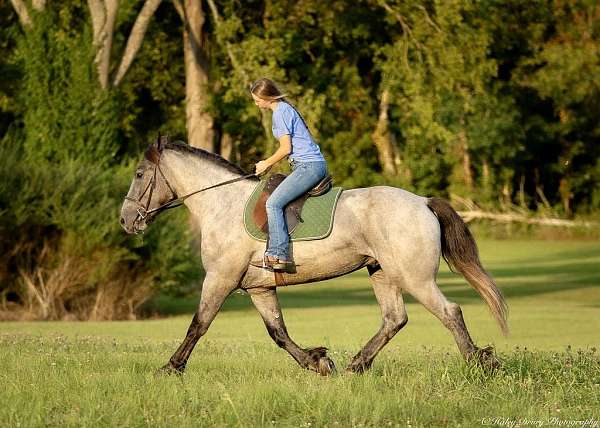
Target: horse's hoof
{"points": [[168, 370], [486, 359], [358, 366], [326, 366]]}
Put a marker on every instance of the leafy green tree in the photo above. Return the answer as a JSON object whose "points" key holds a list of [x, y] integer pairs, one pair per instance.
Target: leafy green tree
{"points": [[441, 80], [564, 70]]}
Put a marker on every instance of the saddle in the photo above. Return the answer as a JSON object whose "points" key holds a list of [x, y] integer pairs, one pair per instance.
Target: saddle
{"points": [[293, 210]]}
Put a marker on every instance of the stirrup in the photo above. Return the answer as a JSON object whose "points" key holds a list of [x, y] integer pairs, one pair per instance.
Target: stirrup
{"points": [[261, 264], [274, 265], [283, 266]]}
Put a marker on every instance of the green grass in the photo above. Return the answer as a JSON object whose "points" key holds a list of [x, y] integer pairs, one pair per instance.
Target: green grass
{"points": [[101, 373]]}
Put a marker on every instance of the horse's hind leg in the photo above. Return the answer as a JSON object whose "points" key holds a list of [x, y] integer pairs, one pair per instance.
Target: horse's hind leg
{"points": [[266, 302], [393, 312], [449, 313]]}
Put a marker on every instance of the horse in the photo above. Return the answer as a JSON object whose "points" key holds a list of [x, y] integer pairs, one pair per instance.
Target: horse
{"points": [[397, 235]]}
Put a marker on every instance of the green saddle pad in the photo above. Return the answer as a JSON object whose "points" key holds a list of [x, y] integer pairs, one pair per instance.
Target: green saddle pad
{"points": [[317, 214]]}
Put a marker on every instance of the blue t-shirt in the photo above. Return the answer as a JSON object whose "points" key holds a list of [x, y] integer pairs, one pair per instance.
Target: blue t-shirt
{"points": [[287, 121]]}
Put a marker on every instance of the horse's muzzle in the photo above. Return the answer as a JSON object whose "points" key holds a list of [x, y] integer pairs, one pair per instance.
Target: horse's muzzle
{"points": [[131, 219]]}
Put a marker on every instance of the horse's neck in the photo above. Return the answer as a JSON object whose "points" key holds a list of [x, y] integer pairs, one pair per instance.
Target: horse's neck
{"points": [[188, 173]]}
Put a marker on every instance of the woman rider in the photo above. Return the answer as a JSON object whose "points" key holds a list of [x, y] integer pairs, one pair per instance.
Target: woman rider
{"points": [[307, 162]]}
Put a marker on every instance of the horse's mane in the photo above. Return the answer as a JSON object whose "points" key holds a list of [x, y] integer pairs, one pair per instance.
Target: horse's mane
{"points": [[182, 147]]}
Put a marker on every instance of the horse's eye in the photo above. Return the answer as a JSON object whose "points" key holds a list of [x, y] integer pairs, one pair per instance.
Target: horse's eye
{"points": [[139, 174]]}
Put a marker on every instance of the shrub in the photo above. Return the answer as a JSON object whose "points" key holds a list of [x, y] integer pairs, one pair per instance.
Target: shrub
{"points": [[64, 254]]}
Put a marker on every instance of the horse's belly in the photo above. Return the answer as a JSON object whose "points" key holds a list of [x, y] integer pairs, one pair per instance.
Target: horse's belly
{"points": [[320, 267]]}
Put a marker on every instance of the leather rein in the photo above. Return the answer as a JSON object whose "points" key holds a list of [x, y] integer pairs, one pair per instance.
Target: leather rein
{"points": [[144, 212]]}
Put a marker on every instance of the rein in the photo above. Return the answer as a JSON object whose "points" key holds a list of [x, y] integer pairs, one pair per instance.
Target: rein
{"points": [[174, 203], [143, 211]]}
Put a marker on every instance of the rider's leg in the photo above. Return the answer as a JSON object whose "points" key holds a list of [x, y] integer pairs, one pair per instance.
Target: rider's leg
{"points": [[304, 177]]}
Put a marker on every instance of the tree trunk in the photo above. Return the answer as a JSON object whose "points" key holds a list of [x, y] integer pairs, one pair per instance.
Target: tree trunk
{"points": [[466, 160], [22, 13], [136, 37], [199, 122], [506, 198], [227, 147], [512, 217], [566, 160], [98, 15], [485, 172], [383, 138], [522, 191], [270, 142], [564, 188], [104, 15], [486, 180], [104, 55], [38, 5]]}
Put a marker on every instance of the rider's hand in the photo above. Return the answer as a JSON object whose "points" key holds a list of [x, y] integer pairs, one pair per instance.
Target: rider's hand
{"points": [[261, 167]]}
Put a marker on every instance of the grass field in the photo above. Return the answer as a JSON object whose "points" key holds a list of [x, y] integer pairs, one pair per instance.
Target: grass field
{"points": [[101, 374]]}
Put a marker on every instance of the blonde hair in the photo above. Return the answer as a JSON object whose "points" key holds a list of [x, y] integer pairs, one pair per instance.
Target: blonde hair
{"points": [[267, 90]]}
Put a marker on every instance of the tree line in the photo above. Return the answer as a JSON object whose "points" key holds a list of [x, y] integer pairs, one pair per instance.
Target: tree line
{"points": [[490, 101]]}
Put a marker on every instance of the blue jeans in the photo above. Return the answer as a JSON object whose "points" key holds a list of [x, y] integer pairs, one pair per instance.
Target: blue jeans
{"points": [[304, 176]]}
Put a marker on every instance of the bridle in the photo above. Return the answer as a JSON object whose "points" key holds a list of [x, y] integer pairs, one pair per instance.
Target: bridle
{"points": [[143, 213], [142, 209]]}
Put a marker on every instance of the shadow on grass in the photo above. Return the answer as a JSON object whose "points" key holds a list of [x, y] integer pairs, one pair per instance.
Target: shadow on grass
{"points": [[538, 275]]}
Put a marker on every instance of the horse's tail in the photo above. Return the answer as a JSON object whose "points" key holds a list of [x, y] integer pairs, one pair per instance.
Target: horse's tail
{"points": [[460, 252]]}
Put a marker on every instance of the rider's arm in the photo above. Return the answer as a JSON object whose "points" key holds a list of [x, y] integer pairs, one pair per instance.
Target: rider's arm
{"points": [[285, 147]]}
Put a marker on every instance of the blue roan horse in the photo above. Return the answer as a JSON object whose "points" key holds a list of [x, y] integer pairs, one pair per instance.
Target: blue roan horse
{"points": [[397, 235]]}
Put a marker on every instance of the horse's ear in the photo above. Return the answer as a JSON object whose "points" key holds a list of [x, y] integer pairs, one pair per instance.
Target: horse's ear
{"points": [[161, 142], [153, 151]]}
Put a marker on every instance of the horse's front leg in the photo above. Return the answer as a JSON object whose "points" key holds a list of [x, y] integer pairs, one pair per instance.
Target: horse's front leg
{"points": [[266, 302], [215, 290]]}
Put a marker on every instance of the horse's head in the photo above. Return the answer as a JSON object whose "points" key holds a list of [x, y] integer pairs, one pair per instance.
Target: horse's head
{"points": [[148, 191]]}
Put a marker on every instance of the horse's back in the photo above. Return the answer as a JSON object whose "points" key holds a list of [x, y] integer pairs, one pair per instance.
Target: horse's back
{"points": [[391, 220], [393, 202]]}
